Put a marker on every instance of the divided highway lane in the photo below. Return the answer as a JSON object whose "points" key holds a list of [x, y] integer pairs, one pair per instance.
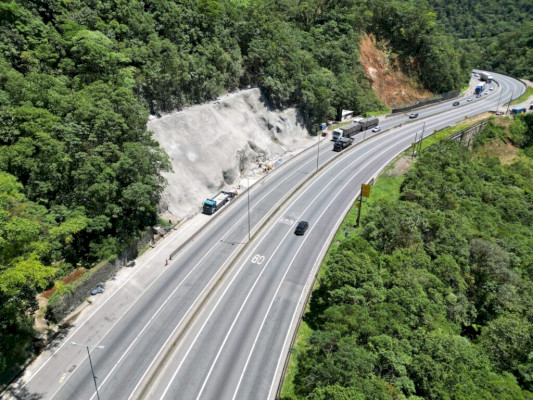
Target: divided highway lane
{"points": [[136, 322], [237, 348]]}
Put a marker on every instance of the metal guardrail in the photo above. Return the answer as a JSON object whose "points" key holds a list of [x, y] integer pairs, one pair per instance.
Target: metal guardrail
{"points": [[444, 97]]}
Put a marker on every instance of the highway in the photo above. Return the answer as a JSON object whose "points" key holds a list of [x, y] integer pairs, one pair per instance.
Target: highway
{"points": [[217, 322]]}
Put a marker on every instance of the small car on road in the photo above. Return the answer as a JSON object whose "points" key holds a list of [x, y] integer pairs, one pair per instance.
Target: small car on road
{"points": [[491, 88], [469, 99], [301, 228], [376, 129], [413, 115], [455, 103]]}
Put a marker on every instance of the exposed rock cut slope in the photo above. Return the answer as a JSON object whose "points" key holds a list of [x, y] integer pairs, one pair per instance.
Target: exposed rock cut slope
{"points": [[382, 67], [212, 144]]}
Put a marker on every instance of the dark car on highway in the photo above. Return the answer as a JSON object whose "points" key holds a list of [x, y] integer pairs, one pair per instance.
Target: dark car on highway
{"points": [[301, 228], [455, 103], [413, 115]]}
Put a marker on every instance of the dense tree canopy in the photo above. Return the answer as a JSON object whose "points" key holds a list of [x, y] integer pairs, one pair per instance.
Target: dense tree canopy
{"points": [[494, 35], [434, 299], [481, 18]]}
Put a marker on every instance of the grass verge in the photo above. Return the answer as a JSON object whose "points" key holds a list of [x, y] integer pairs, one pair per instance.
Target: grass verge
{"points": [[437, 136], [300, 345], [465, 87], [335, 126], [528, 93], [379, 112]]}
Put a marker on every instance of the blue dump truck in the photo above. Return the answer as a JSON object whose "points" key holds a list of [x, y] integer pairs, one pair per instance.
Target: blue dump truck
{"points": [[518, 110], [213, 204], [480, 88]]}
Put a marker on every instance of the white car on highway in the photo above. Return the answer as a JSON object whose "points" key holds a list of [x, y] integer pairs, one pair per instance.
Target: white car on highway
{"points": [[376, 129]]}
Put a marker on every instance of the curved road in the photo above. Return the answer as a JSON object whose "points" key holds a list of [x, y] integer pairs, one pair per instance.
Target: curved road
{"points": [[217, 322]]}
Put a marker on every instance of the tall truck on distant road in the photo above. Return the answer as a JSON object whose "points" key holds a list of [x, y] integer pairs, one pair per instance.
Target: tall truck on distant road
{"points": [[369, 123], [213, 204], [354, 128], [480, 88], [346, 131], [486, 77]]}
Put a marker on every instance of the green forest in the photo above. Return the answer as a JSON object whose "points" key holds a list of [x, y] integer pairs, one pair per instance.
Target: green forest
{"points": [[433, 297], [80, 176], [493, 35]]}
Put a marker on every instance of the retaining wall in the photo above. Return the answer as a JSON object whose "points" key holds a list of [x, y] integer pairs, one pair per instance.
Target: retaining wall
{"points": [[61, 305], [421, 103]]}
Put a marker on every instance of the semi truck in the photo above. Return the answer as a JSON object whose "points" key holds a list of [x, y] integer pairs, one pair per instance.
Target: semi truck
{"points": [[485, 77], [213, 204], [354, 128], [480, 88], [369, 123], [346, 131], [342, 143]]}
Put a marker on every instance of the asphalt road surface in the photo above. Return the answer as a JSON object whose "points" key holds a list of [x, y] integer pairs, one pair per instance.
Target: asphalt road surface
{"points": [[217, 322]]}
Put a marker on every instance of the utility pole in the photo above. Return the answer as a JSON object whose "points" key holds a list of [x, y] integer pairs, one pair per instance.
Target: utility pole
{"points": [[318, 150], [509, 104], [248, 191], [359, 211], [499, 98], [413, 145], [91, 363], [421, 138], [365, 192]]}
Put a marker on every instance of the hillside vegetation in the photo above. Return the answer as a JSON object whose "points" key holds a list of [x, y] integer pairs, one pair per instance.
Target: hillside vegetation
{"points": [[80, 175], [434, 298], [482, 18], [495, 35]]}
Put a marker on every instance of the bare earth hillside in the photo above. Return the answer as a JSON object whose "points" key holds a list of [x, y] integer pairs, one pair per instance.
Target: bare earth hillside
{"points": [[213, 145], [391, 85]]}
